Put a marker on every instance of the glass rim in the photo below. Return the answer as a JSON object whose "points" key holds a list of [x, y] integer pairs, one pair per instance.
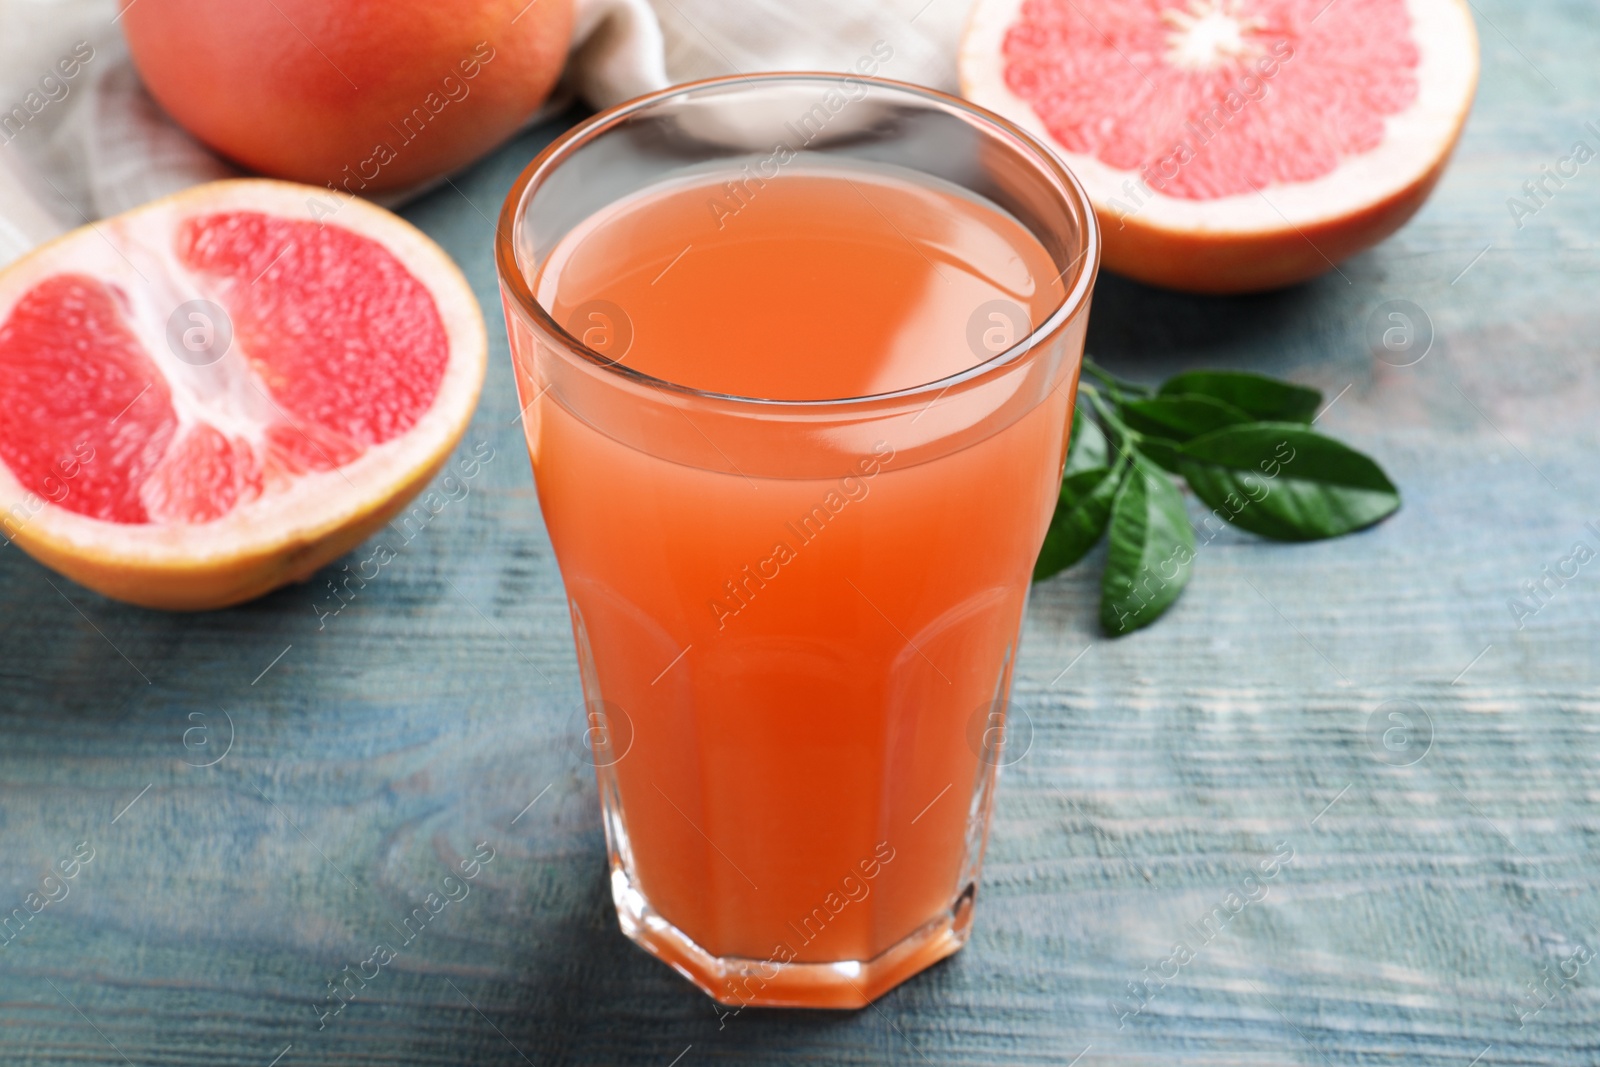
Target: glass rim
{"points": [[515, 283]]}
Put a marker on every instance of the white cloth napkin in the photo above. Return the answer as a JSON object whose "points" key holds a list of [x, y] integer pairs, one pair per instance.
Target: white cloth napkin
{"points": [[78, 146]]}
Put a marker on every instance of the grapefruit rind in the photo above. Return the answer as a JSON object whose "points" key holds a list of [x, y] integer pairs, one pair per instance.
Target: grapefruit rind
{"points": [[283, 535], [1289, 231]]}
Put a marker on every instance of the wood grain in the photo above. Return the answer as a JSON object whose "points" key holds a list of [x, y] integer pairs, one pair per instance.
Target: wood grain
{"points": [[370, 756]]}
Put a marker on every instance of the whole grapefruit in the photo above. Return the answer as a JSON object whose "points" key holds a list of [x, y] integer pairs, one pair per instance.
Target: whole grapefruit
{"points": [[362, 95]]}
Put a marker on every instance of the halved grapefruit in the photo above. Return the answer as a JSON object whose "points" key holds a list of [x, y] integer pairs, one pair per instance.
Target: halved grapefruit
{"points": [[221, 391], [1234, 145]]}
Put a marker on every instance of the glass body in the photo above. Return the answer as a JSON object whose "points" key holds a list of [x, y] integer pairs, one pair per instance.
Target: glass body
{"points": [[796, 786]]}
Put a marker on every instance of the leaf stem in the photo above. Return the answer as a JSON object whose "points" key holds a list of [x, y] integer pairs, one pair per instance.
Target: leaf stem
{"points": [[1124, 432]]}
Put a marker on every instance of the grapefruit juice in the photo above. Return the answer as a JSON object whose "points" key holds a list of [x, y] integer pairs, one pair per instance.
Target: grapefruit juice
{"points": [[796, 485]]}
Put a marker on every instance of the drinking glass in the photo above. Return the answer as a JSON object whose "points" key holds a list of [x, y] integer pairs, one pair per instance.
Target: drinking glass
{"points": [[796, 786]]}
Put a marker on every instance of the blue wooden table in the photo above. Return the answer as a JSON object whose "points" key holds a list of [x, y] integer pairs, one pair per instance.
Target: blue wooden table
{"points": [[248, 802]]}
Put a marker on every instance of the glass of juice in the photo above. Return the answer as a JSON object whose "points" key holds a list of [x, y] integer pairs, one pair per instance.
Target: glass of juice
{"points": [[797, 356]]}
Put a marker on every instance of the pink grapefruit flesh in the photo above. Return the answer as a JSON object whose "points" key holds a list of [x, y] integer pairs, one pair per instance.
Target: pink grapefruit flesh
{"points": [[155, 469], [1234, 145]]}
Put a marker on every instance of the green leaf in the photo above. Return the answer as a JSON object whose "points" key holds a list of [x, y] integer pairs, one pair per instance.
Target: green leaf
{"points": [[1263, 398], [1162, 451], [1165, 422], [1080, 518], [1088, 450], [1151, 552], [1288, 482], [1180, 416]]}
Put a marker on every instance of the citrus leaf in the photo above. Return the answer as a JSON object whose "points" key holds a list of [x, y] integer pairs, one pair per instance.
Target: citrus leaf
{"points": [[1260, 397], [1180, 416], [1162, 451], [1080, 518], [1286, 481], [1151, 551]]}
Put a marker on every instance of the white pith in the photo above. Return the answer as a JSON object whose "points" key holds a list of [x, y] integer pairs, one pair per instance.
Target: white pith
{"points": [[134, 253], [1414, 142], [1206, 32]]}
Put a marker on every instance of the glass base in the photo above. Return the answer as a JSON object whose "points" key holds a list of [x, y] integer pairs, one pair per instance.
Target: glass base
{"points": [[741, 982]]}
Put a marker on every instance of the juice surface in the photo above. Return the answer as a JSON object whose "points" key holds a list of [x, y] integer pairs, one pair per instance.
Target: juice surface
{"points": [[815, 285], [800, 668]]}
